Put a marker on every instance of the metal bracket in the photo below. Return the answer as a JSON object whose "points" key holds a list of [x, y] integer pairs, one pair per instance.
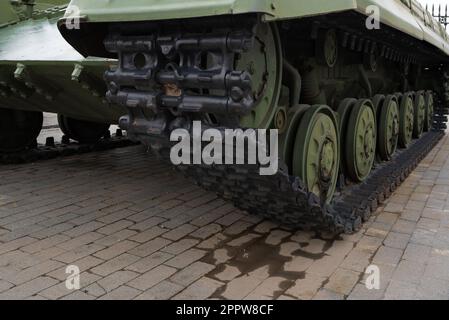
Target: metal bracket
{"points": [[89, 82], [23, 74]]}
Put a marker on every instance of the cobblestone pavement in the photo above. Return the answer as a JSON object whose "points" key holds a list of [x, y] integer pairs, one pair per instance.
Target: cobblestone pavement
{"points": [[138, 230]]}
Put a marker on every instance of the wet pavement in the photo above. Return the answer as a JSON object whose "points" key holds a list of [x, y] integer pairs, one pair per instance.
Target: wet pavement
{"points": [[136, 229]]}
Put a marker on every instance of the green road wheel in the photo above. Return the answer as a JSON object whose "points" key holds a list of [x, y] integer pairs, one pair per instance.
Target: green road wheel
{"points": [[344, 112], [316, 158], [420, 115], [264, 63], [287, 138], [428, 122], [388, 128], [18, 129], [406, 119], [361, 137]]}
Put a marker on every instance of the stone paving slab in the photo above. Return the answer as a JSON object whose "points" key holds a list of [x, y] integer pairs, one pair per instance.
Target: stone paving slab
{"points": [[136, 229]]}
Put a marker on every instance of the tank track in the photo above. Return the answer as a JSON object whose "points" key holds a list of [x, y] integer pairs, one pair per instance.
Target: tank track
{"points": [[56, 150], [281, 197]]}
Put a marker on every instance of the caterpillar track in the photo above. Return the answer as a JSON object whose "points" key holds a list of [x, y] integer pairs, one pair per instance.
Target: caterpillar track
{"points": [[281, 197], [168, 79], [53, 150]]}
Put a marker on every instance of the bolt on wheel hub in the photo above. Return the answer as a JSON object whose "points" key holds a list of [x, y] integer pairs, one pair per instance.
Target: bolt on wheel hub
{"points": [[369, 143], [327, 160]]}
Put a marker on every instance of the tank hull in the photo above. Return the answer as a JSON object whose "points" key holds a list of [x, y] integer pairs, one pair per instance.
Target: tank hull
{"points": [[315, 68], [40, 71], [411, 18]]}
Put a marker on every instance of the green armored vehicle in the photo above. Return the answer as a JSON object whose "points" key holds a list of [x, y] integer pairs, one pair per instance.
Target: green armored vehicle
{"points": [[41, 72], [357, 89]]}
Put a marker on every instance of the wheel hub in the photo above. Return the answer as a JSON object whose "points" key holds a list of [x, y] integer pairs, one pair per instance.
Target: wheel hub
{"points": [[327, 160], [369, 143], [394, 128], [409, 122]]}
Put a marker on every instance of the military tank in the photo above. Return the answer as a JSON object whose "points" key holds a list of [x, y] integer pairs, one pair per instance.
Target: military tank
{"points": [[358, 91], [40, 72]]}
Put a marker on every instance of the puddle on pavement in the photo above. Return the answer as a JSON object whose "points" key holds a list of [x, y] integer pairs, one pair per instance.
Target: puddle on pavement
{"points": [[257, 254]]}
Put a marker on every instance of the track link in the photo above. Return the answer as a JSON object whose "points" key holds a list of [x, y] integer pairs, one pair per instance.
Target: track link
{"points": [[42, 152], [285, 198]]}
